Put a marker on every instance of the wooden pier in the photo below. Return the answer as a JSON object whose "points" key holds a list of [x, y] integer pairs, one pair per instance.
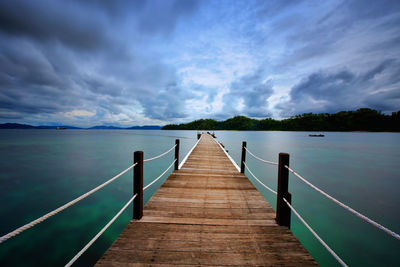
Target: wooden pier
{"points": [[207, 213]]}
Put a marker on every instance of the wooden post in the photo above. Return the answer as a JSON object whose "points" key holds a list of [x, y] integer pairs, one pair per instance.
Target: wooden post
{"points": [[138, 185], [198, 136], [177, 154], [243, 157], [282, 209]]}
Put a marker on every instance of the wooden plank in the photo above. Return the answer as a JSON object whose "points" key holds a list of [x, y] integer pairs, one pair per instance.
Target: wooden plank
{"points": [[207, 213]]}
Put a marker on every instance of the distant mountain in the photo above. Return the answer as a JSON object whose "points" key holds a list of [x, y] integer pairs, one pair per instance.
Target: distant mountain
{"points": [[102, 127], [16, 126], [99, 127], [59, 127], [26, 126], [145, 127]]}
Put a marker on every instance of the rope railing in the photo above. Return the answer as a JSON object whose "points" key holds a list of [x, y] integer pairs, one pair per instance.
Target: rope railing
{"points": [[58, 210], [301, 219], [161, 175], [354, 212], [358, 214], [161, 155], [255, 177], [138, 176], [83, 250], [88, 245], [283, 165], [315, 234], [260, 159], [138, 179]]}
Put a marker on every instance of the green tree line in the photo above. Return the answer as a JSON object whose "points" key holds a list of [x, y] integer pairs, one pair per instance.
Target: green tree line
{"points": [[363, 119]]}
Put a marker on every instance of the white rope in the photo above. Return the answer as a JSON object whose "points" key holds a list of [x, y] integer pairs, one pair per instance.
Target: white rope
{"points": [[161, 175], [363, 217], [188, 154], [159, 156], [273, 191], [226, 153], [260, 159], [83, 250], [54, 212], [316, 235]]}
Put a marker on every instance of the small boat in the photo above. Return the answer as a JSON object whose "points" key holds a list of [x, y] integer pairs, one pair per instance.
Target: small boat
{"points": [[316, 135], [61, 128]]}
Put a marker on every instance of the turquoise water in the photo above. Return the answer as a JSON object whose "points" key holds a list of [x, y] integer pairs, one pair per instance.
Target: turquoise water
{"points": [[43, 169], [359, 169]]}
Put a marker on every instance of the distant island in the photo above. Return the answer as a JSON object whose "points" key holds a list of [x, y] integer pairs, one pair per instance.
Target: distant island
{"points": [[147, 127], [363, 119], [63, 127]]}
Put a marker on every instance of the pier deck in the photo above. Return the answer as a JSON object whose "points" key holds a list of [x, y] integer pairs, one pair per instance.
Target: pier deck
{"points": [[207, 213]]}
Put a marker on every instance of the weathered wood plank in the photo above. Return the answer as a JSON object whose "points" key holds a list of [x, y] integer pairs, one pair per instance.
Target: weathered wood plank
{"points": [[207, 213]]}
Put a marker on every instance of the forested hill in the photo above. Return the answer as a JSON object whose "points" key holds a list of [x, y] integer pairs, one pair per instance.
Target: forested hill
{"points": [[361, 120]]}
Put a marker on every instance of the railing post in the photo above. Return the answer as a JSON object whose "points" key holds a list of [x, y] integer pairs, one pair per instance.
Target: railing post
{"points": [[198, 136], [138, 185], [177, 154], [243, 157], [283, 210]]}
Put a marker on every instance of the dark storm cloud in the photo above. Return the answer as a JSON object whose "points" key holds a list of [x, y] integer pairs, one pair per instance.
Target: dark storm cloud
{"points": [[29, 82], [370, 74], [377, 88], [166, 14], [37, 73], [60, 21], [21, 62], [151, 58], [57, 56], [388, 100], [312, 36], [7, 115], [152, 16], [168, 103], [324, 86]]}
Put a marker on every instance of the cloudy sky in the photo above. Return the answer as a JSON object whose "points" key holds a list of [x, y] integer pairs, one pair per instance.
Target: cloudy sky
{"points": [[126, 63]]}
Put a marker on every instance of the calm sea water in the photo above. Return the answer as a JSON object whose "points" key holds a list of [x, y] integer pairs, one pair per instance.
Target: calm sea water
{"points": [[43, 169], [359, 169]]}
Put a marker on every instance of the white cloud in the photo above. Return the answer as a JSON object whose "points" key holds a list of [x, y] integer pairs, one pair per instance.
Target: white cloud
{"points": [[218, 102], [144, 63], [79, 113]]}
